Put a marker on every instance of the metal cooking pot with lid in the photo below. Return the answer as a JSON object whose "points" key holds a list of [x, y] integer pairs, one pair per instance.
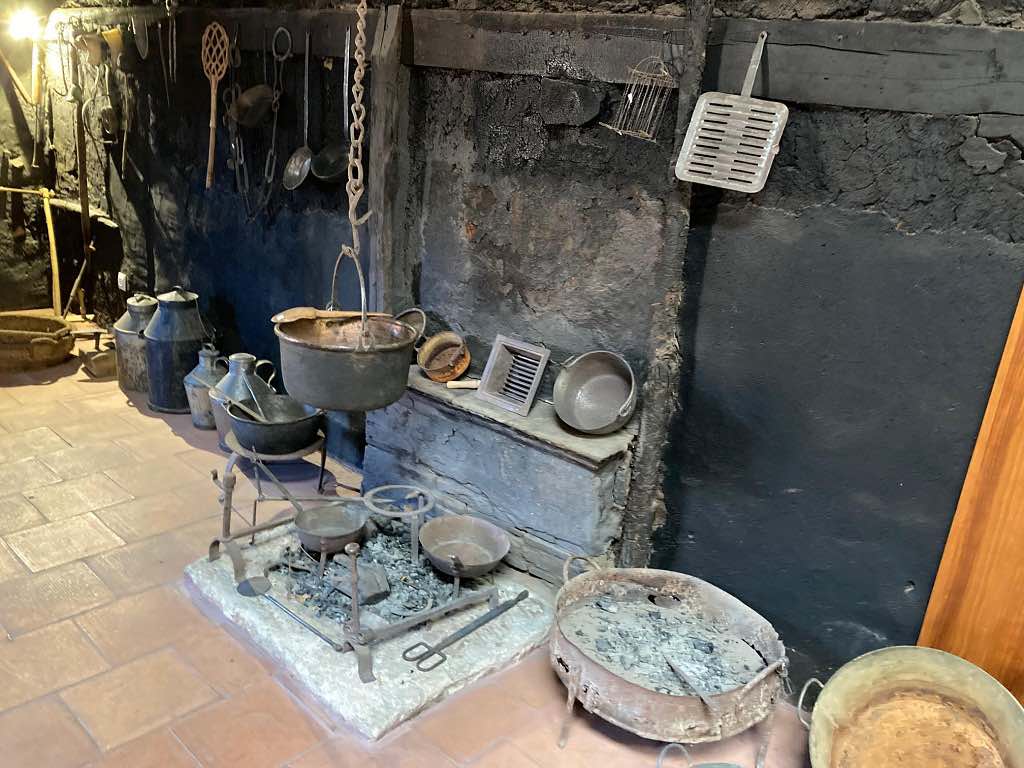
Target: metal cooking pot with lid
{"points": [[892, 706], [343, 361]]}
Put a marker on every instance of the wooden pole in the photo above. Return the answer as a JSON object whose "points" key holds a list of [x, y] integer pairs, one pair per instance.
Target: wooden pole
{"points": [[645, 504], [83, 183], [54, 269]]}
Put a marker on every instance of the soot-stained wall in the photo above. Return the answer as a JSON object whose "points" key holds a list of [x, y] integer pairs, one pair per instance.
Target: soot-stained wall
{"points": [[842, 331], [529, 218], [244, 262]]}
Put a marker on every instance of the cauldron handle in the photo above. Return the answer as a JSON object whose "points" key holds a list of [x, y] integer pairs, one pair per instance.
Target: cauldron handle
{"points": [[800, 701], [365, 339], [569, 560], [423, 317]]}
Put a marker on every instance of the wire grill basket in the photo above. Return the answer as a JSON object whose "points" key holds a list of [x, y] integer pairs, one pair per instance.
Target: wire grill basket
{"points": [[643, 103]]}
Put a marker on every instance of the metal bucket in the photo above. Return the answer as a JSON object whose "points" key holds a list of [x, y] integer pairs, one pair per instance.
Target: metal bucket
{"points": [[640, 709], [892, 706], [173, 339], [130, 344], [346, 364]]}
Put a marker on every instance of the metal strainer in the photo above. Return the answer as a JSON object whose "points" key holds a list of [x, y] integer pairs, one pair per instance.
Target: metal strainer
{"points": [[732, 140]]}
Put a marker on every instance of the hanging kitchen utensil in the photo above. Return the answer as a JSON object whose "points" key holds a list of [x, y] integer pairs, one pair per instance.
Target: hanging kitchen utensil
{"points": [[348, 56], [643, 102], [732, 140], [281, 51], [140, 30], [172, 38], [297, 168], [163, 62], [329, 163], [215, 52], [252, 105]]}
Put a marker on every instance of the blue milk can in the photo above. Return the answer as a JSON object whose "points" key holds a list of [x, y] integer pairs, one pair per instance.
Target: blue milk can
{"points": [[173, 339]]}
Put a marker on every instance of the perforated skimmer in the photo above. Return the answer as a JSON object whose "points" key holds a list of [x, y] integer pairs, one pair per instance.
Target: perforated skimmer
{"points": [[732, 140]]}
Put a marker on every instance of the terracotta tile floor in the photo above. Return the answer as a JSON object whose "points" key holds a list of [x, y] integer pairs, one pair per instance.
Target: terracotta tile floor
{"points": [[104, 661]]}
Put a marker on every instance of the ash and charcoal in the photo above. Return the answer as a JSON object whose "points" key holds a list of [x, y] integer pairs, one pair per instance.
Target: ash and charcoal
{"points": [[411, 587], [635, 637]]}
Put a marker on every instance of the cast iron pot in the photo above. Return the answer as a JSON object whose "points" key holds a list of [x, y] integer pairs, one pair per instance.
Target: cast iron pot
{"points": [[293, 425]]}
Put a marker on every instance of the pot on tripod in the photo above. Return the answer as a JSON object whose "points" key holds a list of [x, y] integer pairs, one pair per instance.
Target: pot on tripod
{"points": [[174, 337]]}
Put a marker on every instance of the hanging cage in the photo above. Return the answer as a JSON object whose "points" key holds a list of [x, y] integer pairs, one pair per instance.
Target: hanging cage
{"points": [[643, 102]]}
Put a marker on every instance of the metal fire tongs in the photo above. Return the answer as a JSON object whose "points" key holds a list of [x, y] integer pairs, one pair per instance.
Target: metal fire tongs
{"points": [[421, 651]]}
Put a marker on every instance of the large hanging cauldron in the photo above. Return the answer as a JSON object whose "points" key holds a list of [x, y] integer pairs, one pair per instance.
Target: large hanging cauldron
{"points": [[173, 339], [346, 361]]}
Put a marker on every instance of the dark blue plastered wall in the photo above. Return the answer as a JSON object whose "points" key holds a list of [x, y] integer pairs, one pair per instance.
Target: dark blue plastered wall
{"points": [[839, 357]]}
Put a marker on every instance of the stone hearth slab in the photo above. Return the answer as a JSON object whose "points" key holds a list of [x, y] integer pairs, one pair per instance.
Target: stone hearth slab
{"points": [[400, 691]]}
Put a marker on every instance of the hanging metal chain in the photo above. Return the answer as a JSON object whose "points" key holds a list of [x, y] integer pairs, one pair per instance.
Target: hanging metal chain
{"points": [[355, 187]]}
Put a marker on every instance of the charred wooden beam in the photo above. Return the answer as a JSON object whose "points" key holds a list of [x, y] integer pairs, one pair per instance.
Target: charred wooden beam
{"points": [[645, 504], [905, 67], [389, 163]]}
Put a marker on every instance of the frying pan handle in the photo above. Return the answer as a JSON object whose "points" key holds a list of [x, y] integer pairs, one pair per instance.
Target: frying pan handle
{"points": [[755, 62], [594, 565], [800, 702]]}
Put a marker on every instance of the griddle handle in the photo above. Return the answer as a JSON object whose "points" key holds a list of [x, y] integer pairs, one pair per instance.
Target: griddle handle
{"points": [[800, 702], [755, 62]]}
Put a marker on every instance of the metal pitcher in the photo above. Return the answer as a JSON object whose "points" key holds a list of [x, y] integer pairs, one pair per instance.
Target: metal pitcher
{"points": [[242, 382], [130, 345], [198, 383], [173, 339]]}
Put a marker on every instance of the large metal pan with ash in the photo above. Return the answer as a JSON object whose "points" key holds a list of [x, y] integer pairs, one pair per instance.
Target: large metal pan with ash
{"points": [[664, 655], [910, 706]]}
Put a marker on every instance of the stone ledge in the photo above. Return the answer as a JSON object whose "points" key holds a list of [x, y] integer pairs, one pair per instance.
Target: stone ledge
{"points": [[541, 426], [400, 691]]}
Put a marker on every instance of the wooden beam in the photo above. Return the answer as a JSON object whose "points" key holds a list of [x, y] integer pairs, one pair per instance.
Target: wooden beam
{"points": [[389, 162], [936, 68], [905, 67]]}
